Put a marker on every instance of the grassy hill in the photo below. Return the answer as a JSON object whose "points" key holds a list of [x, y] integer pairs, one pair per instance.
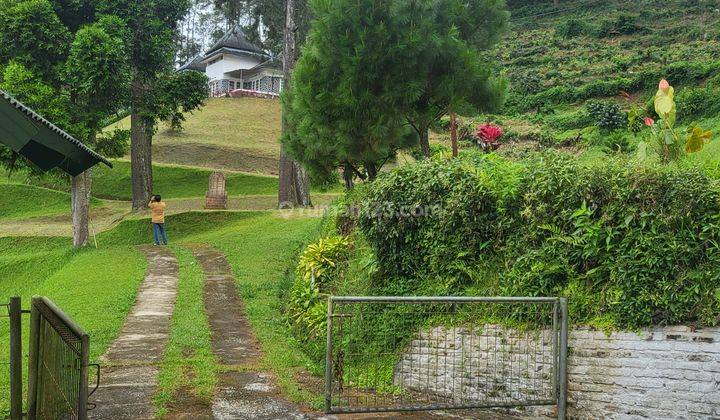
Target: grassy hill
{"points": [[238, 134], [562, 60]]}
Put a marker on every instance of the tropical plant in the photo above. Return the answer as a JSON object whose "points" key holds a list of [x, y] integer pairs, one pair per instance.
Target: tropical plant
{"points": [[488, 136], [320, 258], [318, 265], [664, 139]]}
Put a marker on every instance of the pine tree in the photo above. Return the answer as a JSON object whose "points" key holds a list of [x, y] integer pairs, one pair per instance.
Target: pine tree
{"points": [[443, 43], [375, 74]]}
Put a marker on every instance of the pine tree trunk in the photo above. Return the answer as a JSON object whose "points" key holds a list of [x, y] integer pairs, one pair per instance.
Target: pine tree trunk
{"points": [[140, 152], [294, 187], [302, 186], [372, 171], [80, 202], [348, 176], [425, 141], [286, 196], [453, 133]]}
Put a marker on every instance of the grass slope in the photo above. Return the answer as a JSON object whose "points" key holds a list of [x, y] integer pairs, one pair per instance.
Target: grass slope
{"points": [[96, 287], [560, 57], [229, 133], [24, 201], [177, 182]]}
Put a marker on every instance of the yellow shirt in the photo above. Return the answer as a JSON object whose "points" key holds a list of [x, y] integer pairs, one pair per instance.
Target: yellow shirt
{"points": [[158, 211]]}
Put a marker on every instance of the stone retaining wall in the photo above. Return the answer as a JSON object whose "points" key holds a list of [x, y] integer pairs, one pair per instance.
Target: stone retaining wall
{"points": [[664, 372]]}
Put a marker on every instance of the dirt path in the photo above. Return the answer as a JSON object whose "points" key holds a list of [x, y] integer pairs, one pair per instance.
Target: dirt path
{"points": [[112, 213], [243, 392], [129, 381]]}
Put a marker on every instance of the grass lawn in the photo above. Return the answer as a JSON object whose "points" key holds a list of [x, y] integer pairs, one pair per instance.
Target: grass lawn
{"points": [[248, 123], [229, 133], [261, 248], [261, 251], [176, 182], [24, 201], [96, 287], [189, 361]]}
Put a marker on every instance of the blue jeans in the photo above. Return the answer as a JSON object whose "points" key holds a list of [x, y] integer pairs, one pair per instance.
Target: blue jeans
{"points": [[159, 233]]}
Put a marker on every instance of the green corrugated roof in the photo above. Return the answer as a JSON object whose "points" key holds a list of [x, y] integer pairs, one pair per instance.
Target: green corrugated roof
{"points": [[41, 142]]}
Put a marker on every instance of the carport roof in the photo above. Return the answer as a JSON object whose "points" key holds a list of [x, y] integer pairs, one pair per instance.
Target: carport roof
{"points": [[41, 142]]}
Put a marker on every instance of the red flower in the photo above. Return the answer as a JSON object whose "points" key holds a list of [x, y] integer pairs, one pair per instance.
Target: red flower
{"points": [[488, 135], [649, 122], [489, 132]]}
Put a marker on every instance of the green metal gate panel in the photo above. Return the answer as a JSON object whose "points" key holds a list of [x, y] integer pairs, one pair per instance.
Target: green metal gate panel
{"points": [[393, 353], [58, 364]]}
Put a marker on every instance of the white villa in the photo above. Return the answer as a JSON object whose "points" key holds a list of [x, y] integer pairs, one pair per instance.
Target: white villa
{"points": [[235, 63]]}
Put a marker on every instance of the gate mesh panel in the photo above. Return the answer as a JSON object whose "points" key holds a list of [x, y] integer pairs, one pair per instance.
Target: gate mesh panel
{"points": [[407, 355], [59, 367]]}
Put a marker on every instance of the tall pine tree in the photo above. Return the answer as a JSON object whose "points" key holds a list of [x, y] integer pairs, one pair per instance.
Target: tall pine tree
{"points": [[371, 70]]}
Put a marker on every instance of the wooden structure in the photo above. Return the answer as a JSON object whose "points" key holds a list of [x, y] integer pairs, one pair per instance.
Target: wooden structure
{"points": [[216, 197]]}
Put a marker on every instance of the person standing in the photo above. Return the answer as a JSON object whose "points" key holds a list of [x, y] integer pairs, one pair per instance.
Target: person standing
{"points": [[157, 208]]}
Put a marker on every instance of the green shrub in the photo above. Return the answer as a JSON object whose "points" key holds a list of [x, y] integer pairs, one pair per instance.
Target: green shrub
{"points": [[607, 116], [421, 216], [525, 82], [696, 102], [638, 242], [623, 24], [577, 119], [571, 28], [319, 264]]}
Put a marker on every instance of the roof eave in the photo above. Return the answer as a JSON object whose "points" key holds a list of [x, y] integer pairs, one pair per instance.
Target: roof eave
{"points": [[234, 51], [37, 117]]}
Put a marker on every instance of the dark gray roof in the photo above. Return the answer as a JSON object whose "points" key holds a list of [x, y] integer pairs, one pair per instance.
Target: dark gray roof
{"points": [[235, 41], [195, 64], [46, 145], [271, 63]]}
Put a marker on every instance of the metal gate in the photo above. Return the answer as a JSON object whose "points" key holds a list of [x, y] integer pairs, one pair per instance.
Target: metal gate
{"points": [[58, 364], [390, 353]]}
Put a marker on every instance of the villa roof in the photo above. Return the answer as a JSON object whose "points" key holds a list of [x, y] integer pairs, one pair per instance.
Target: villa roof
{"points": [[234, 42], [41, 142], [194, 64], [271, 63]]}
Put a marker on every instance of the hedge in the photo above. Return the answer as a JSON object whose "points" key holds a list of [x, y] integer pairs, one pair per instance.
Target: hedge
{"points": [[630, 244]]}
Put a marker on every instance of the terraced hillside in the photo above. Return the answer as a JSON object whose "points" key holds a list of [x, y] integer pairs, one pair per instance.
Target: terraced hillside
{"points": [[567, 65]]}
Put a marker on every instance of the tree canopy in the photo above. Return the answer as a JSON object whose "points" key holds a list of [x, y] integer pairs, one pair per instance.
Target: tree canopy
{"points": [[375, 74], [76, 80]]}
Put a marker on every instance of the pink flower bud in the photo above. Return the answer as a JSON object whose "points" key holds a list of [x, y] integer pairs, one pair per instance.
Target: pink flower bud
{"points": [[649, 122], [664, 85]]}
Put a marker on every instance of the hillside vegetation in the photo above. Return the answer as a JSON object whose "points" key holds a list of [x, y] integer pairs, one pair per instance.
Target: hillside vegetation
{"points": [[582, 69]]}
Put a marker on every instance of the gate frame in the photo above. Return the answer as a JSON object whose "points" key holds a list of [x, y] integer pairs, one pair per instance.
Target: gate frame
{"points": [[33, 360], [560, 315]]}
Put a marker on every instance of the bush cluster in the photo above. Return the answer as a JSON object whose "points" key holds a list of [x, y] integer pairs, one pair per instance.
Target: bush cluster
{"points": [[607, 116], [306, 310], [630, 244], [679, 73], [623, 24]]}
